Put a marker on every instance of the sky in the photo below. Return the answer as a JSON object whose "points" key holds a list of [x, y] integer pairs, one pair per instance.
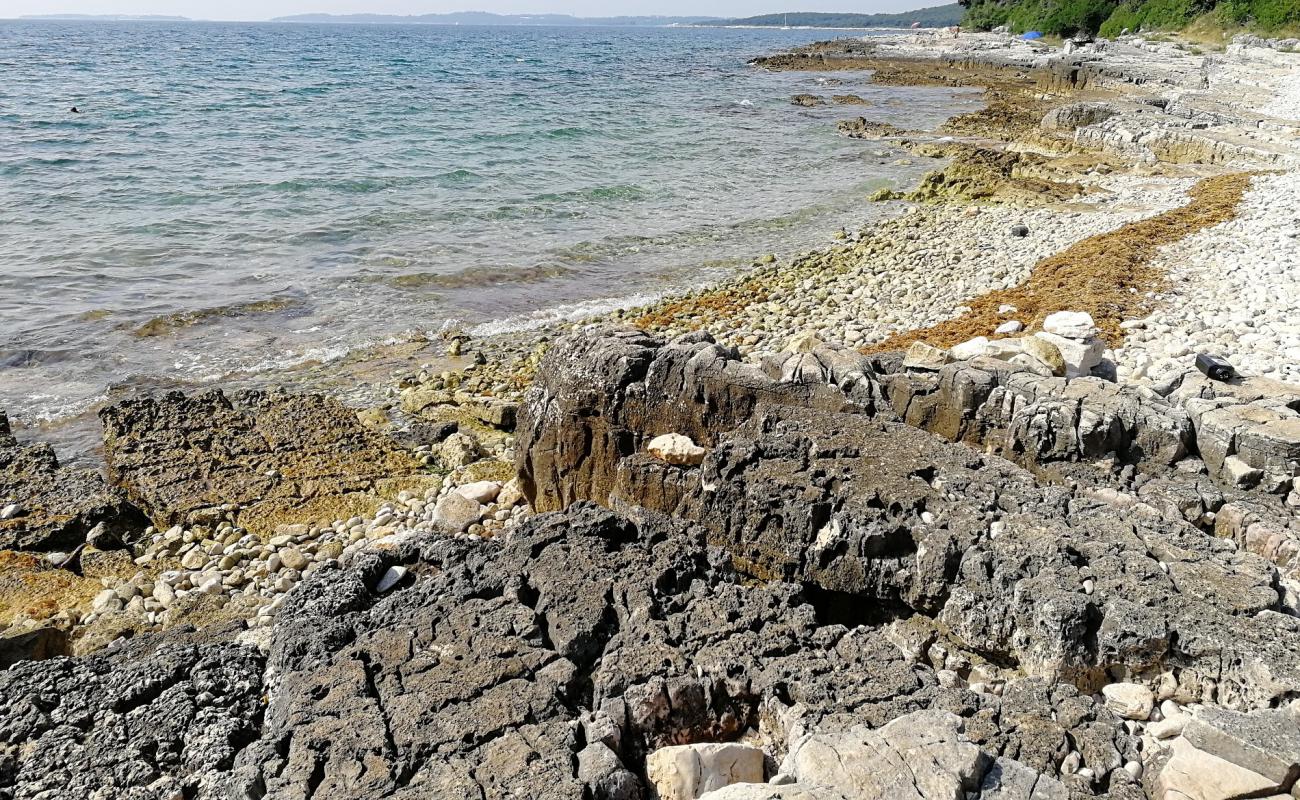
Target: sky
{"points": [[265, 9]]}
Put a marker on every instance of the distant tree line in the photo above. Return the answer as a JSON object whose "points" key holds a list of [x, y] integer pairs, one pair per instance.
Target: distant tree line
{"points": [[1112, 17], [935, 17]]}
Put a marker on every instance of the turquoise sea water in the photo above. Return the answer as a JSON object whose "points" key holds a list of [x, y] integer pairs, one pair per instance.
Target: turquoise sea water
{"points": [[239, 197]]}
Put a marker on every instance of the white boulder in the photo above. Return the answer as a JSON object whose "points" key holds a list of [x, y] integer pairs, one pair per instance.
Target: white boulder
{"points": [[480, 491], [1080, 355], [675, 448], [924, 356], [685, 772], [1010, 326], [970, 349], [1071, 324], [1129, 700], [456, 512]]}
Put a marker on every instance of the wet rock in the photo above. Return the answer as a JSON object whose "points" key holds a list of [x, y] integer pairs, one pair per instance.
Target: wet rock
{"points": [[46, 506], [278, 458], [685, 772], [807, 100]]}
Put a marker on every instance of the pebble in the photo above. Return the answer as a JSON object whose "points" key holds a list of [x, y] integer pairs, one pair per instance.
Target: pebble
{"points": [[1228, 297], [391, 577], [293, 558]]}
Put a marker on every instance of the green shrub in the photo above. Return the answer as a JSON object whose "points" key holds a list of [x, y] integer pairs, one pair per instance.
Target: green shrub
{"points": [[1154, 15], [1263, 15], [1110, 17]]}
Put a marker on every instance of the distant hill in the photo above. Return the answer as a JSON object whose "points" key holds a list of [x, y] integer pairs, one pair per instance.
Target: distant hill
{"points": [[109, 17], [484, 18], [934, 17]]}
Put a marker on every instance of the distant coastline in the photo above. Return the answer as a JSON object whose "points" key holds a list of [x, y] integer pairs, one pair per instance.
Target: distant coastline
{"points": [[484, 18], [107, 17], [933, 17]]}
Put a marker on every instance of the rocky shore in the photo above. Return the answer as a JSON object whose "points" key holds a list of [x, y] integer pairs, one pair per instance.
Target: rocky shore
{"points": [[944, 510]]}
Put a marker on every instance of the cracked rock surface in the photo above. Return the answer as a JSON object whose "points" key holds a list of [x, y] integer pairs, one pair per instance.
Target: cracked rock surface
{"points": [[882, 612]]}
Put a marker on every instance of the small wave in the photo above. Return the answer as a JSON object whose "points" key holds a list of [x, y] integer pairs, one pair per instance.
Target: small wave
{"points": [[573, 312], [475, 277], [569, 133], [595, 193], [34, 357], [457, 177], [170, 323]]}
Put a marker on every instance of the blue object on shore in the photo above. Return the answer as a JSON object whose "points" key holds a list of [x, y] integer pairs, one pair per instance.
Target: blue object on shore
{"points": [[1032, 35]]}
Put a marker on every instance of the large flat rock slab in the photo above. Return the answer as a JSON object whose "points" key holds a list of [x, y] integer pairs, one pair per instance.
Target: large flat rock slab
{"points": [[263, 459]]}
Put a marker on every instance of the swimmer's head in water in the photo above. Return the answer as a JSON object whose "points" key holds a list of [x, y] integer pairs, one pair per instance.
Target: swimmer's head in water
{"points": [[75, 111]]}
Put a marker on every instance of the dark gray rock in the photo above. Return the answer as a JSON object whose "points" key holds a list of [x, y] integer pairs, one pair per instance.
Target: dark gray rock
{"points": [[55, 506]]}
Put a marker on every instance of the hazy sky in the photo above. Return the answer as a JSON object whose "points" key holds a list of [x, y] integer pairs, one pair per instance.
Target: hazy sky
{"points": [[263, 9]]}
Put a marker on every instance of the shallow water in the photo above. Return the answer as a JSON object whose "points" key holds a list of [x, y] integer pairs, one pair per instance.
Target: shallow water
{"points": [[241, 197]]}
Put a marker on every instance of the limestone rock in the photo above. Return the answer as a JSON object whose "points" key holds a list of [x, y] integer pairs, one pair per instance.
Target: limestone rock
{"points": [[926, 357], [915, 757], [1010, 780], [46, 506], [1192, 774], [1071, 116], [1070, 324], [293, 558], [804, 342], [278, 457], [685, 772], [32, 645], [460, 450], [483, 492], [1079, 355], [455, 512], [1045, 352], [674, 448], [1129, 700], [1265, 741], [970, 349]]}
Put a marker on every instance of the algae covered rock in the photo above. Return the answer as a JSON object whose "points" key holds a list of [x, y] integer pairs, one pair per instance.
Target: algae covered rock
{"points": [[265, 458], [46, 506]]}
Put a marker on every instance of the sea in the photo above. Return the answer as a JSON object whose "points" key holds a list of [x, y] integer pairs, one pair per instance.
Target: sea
{"points": [[235, 199]]}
